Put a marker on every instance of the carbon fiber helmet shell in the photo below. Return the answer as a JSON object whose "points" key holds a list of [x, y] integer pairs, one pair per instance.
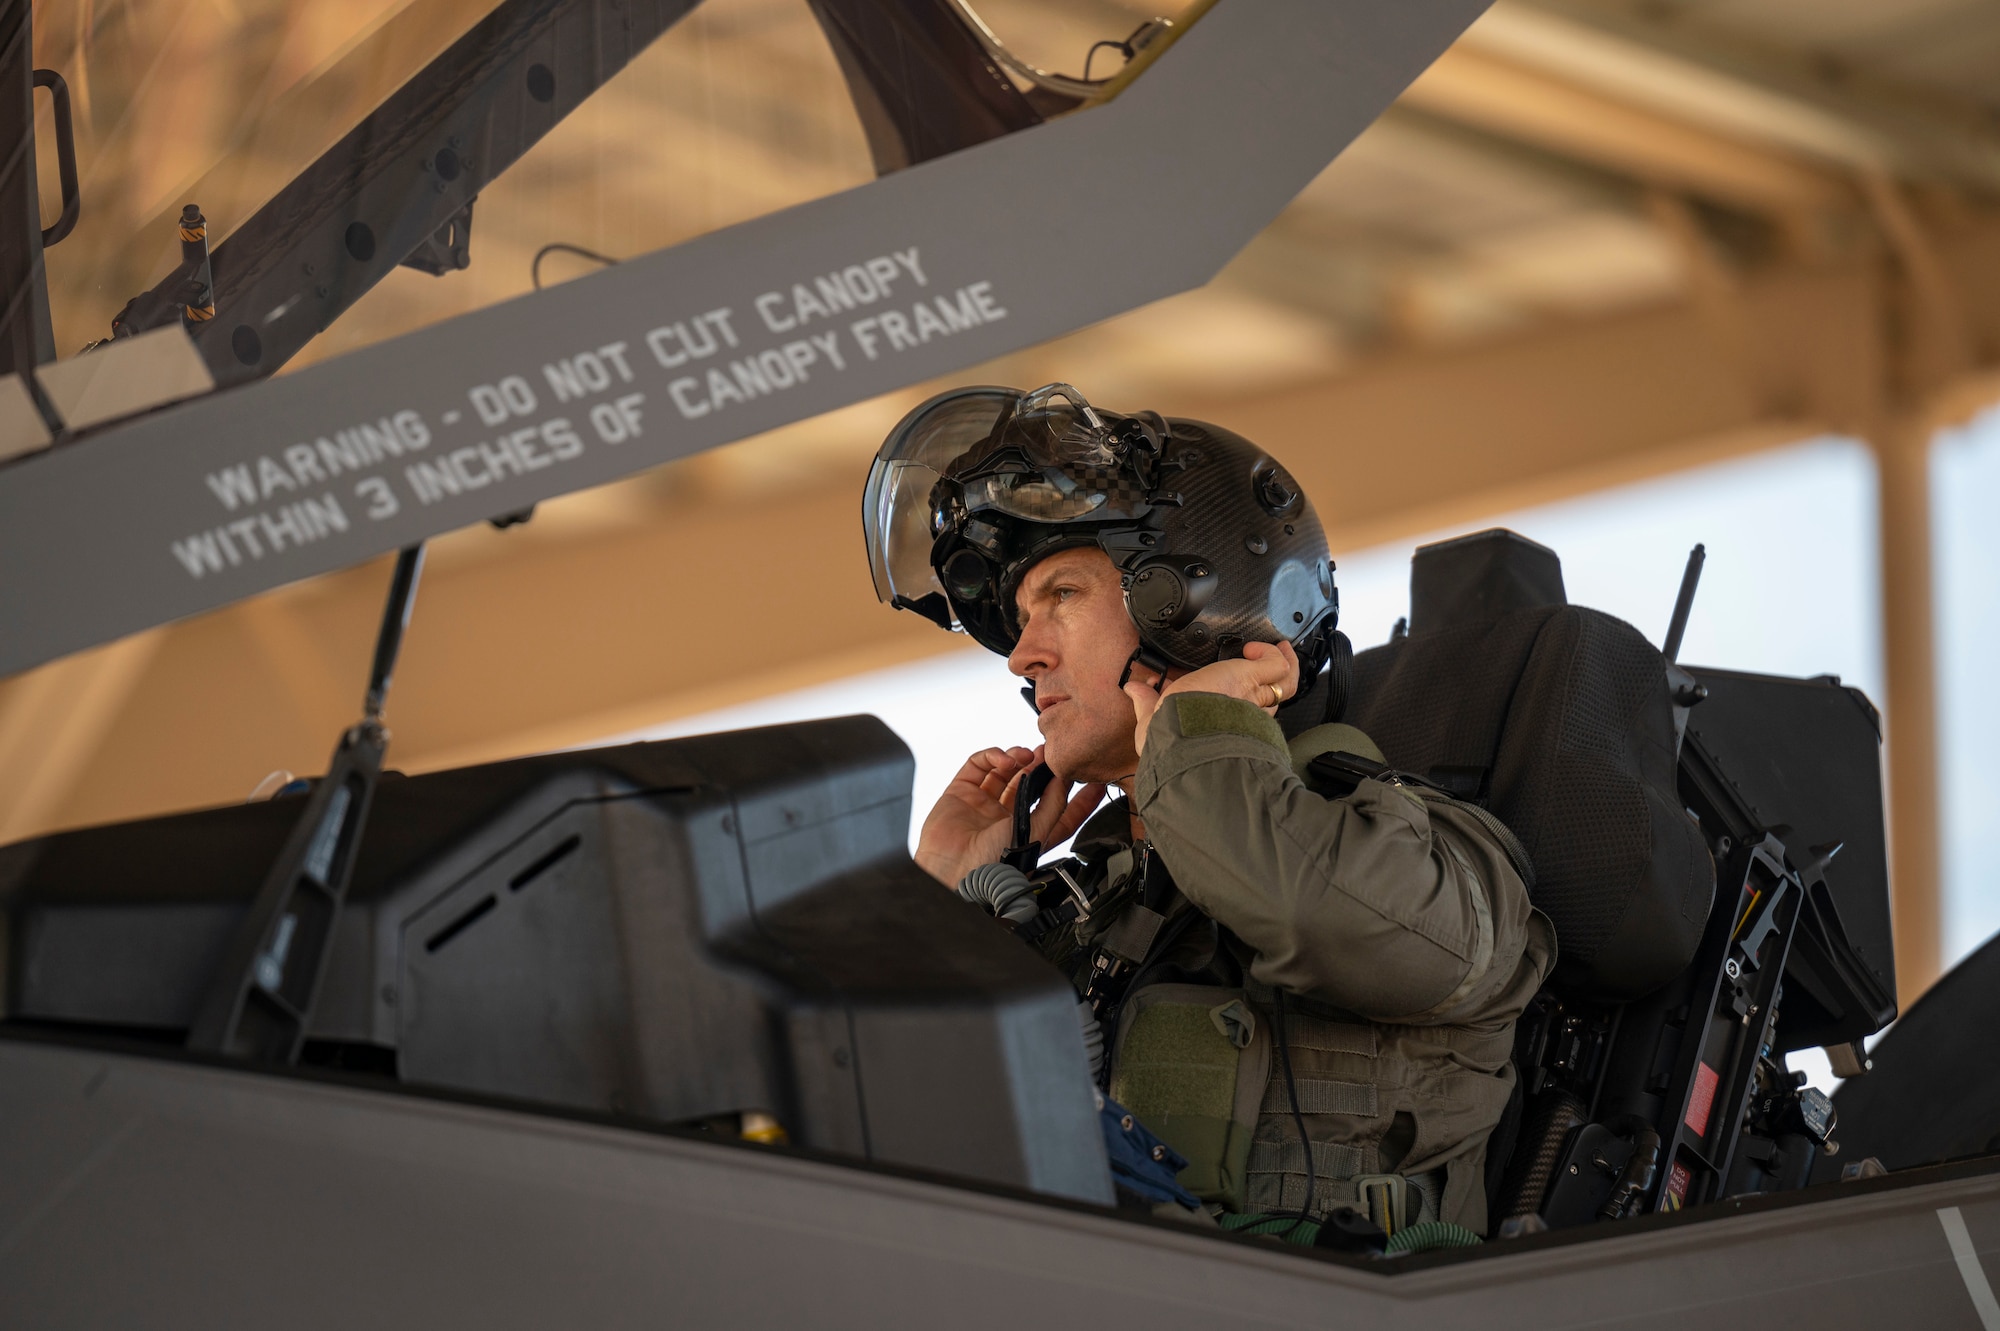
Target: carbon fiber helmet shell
{"points": [[1215, 542]]}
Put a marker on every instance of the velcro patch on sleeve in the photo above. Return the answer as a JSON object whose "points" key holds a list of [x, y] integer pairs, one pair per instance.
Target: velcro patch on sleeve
{"points": [[1201, 714]]}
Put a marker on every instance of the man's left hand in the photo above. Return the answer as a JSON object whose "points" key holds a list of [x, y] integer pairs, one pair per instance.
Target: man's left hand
{"points": [[973, 821], [1266, 675]]}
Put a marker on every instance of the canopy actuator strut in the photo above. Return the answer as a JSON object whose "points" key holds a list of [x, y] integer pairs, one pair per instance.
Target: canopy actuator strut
{"points": [[259, 1006]]}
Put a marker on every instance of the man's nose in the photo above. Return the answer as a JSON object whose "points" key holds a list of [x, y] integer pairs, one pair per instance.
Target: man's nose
{"points": [[1032, 652]]}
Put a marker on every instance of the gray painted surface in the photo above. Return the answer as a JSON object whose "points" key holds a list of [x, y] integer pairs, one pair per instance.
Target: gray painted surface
{"points": [[141, 1193], [1068, 223]]}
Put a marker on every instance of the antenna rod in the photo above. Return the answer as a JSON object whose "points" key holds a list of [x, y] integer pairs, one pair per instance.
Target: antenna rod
{"points": [[395, 618], [1683, 604]]}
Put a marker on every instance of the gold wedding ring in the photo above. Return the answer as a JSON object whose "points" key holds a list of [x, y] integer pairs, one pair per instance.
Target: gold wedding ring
{"points": [[1277, 693]]}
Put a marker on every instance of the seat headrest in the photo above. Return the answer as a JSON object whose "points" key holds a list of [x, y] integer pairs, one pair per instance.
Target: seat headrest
{"points": [[1478, 578]]}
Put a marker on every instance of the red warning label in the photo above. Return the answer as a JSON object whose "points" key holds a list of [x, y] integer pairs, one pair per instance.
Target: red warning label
{"points": [[1702, 1100], [1677, 1188]]}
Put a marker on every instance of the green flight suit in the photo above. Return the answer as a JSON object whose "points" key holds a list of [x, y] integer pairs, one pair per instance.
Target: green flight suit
{"points": [[1396, 923]]}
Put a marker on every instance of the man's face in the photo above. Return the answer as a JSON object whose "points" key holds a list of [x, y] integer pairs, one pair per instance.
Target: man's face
{"points": [[1075, 640]]}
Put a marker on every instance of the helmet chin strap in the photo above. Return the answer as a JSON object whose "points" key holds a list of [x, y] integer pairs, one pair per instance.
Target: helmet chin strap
{"points": [[1025, 853], [1148, 658]]}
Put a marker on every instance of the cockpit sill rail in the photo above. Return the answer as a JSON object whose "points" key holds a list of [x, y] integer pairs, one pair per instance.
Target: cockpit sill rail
{"points": [[1943, 1184]]}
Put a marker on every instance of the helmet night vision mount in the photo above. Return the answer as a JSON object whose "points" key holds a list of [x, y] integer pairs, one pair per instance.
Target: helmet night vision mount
{"points": [[1215, 542]]}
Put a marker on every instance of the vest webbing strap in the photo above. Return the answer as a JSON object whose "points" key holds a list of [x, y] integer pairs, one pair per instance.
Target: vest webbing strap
{"points": [[1333, 1162], [1332, 1037], [1320, 1095], [1423, 1202]]}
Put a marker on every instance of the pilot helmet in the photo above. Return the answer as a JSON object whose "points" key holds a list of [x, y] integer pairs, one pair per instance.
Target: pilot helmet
{"points": [[1215, 542]]}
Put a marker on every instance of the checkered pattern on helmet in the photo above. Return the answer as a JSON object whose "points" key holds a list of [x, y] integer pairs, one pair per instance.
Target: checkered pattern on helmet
{"points": [[1125, 490]]}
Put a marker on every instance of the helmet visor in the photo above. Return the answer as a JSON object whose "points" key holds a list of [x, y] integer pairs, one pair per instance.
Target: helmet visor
{"points": [[1053, 460], [1038, 497], [896, 508]]}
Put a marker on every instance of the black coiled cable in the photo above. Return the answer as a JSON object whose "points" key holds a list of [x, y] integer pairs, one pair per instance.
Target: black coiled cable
{"points": [[1298, 1117]]}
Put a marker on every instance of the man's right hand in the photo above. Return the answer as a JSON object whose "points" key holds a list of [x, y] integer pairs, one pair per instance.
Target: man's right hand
{"points": [[973, 821]]}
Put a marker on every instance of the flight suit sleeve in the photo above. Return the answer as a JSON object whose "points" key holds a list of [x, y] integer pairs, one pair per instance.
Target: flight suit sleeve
{"points": [[1357, 901]]}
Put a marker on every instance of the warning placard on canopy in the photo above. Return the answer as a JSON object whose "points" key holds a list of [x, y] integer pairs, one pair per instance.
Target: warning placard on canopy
{"points": [[914, 275]]}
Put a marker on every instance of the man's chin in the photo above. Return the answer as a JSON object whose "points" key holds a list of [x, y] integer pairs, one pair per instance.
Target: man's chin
{"points": [[1059, 756], [1083, 762]]}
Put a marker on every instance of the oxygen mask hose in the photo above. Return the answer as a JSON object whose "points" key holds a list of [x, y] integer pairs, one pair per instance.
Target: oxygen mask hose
{"points": [[1002, 889]]}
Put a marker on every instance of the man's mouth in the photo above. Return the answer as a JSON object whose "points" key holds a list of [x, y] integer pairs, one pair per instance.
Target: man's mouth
{"points": [[1042, 704]]}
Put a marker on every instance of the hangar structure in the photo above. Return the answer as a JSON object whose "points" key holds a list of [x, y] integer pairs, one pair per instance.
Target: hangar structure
{"points": [[605, 304]]}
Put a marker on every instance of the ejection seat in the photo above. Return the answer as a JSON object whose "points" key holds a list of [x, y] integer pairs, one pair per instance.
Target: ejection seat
{"points": [[1676, 820]]}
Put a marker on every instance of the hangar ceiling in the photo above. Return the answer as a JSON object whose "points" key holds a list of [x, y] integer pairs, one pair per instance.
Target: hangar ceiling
{"points": [[1597, 240]]}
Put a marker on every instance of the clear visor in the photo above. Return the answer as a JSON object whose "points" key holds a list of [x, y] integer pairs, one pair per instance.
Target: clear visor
{"points": [[1057, 428], [896, 509], [1038, 498], [1054, 459]]}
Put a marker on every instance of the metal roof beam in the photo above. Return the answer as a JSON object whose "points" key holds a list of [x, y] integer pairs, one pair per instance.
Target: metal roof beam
{"points": [[1504, 97], [1783, 99]]}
